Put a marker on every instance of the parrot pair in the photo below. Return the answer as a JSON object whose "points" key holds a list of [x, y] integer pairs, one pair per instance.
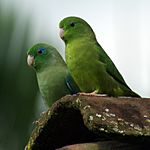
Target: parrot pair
{"points": [[89, 69]]}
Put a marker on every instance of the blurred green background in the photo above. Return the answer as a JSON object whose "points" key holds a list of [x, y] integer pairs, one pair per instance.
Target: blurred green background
{"points": [[19, 99], [26, 22], [18, 88]]}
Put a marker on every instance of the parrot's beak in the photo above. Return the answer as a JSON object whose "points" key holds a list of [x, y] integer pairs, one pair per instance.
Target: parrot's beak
{"points": [[61, 33], [30, 60]]}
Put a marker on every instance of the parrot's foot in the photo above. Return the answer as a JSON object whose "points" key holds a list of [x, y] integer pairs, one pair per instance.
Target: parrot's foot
{"points": [[92, 94], [74, 94]]}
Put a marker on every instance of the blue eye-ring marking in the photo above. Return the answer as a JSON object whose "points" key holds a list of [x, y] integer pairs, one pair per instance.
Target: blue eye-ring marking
{"points": [[41, 50]]}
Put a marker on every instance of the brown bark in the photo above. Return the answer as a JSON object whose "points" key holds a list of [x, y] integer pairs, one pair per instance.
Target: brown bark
{"points": [[98, 122]]}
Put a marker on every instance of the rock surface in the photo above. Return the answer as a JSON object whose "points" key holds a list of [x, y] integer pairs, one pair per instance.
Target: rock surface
{"points": [[93, 123]]}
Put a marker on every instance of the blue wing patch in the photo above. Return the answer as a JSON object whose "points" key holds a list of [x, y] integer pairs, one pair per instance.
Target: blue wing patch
{"points": [[72, 86]]}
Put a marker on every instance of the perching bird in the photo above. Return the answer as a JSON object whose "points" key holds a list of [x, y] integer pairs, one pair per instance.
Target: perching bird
{"points": [[90, 66], [52, 74]]}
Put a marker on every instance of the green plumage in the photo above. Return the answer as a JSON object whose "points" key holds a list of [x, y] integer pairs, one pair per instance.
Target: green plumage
{"points": [[88, 63], [51, 71]]}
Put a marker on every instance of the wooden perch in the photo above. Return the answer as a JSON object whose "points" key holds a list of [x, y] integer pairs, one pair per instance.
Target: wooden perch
{"points": [[96, 123]]}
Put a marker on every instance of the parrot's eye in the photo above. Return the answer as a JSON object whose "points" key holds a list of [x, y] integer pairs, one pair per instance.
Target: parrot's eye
{"points": [[72, 24], [41, 50]]}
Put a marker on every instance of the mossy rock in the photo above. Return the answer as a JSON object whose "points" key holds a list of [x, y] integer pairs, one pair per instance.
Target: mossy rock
{"points": [[100, 122]]}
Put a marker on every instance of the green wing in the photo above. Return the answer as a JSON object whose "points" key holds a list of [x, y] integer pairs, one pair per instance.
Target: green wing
{"points": [[110, 66]]}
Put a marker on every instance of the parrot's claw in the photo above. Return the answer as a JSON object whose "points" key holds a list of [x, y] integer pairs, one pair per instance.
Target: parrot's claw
{"points": [[92, 94]]}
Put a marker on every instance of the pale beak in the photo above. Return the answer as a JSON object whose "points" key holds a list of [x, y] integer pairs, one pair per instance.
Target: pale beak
{"points": [[61, 33], [30, 60]]}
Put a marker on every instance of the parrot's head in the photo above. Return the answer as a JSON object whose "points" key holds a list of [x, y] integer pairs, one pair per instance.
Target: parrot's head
{"points": [[41, 55], [73, 27]]}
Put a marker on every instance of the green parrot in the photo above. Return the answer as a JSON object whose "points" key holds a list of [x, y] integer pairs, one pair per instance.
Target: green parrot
{"points": [[89, 65], [52, 75]]}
